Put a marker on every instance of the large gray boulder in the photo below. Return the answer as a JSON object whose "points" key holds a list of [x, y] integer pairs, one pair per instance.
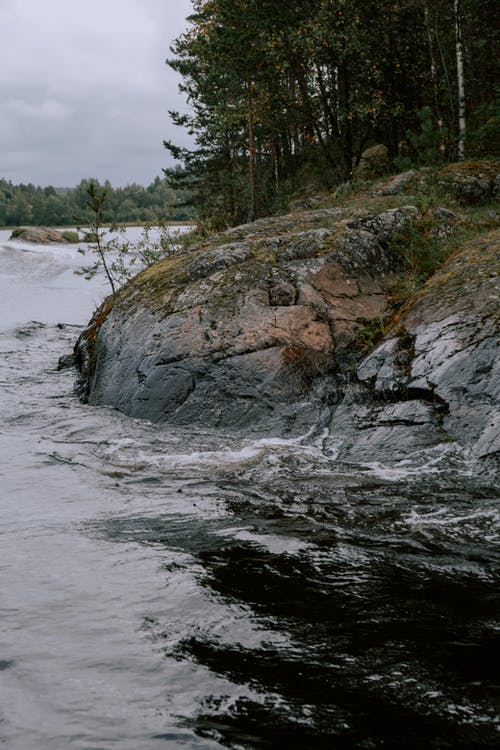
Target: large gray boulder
{"points": [[244, 332], [259, 330]]}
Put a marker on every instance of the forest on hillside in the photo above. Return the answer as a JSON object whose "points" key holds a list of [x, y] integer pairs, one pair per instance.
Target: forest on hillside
{"points": [[286, 96], [50, 206]]}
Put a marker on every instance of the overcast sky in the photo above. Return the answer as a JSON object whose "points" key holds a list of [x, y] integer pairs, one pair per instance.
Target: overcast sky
{"points": [[84, 89]]}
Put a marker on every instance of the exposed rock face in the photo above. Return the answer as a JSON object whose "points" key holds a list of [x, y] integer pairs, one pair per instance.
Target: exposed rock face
{"points": [[401, 183], [438, 375], [469, 183], [38, 235], [472, 183], [260, 329], [241, 332]]}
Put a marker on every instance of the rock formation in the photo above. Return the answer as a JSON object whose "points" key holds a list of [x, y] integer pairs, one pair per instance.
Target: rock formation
{"points": [[262, 329], [437, 375], [374, 161], [39, 235]]}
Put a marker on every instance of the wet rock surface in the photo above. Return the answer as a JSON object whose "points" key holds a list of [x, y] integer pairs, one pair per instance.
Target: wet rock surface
{"points": [[444, 354], [246, 331], [258, 330]]}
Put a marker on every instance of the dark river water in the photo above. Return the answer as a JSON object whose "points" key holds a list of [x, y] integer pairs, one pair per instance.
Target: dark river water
{"points": [[166, 589]]}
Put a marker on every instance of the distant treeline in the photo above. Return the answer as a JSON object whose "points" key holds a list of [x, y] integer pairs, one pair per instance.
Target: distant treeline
{"points": [[51, 206]]}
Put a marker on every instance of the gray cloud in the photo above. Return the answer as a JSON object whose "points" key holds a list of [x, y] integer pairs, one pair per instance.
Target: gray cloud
{"points": [[84, 89]]}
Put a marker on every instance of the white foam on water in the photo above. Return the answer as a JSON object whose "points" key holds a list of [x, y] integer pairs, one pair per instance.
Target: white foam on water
{"points": [[277, 545], [127, 453], [482, 523], [427, 462]]}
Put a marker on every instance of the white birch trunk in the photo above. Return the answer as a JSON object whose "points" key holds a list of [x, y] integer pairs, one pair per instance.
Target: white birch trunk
{"points": [[460, 80]]}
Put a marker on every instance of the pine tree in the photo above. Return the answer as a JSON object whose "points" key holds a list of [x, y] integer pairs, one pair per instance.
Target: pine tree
{"points": [[282, 93]]}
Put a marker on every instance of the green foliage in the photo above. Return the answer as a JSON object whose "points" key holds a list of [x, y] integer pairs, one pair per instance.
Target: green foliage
{"points": [[96, 199], [428, 141], [49, 206], [485, 136], [287, 94], [70, 236], [415, 245], [424, 244], [119, 257], [154, 244], [346, 190], [370, 334]]}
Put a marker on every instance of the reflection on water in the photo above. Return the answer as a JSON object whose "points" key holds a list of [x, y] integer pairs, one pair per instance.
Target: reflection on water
{"points": [[345, 635], [192, 590]]}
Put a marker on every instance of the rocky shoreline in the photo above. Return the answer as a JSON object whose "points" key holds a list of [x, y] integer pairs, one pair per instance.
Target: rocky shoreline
{"points": [[43, 235], [289, 324]]}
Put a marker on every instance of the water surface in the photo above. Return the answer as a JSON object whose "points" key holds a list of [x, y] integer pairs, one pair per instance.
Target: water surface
{"points": [[171, 589]]}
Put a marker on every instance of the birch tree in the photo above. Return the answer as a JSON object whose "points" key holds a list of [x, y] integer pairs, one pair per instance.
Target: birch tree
{"points": [[287, 95], [460, 80]]}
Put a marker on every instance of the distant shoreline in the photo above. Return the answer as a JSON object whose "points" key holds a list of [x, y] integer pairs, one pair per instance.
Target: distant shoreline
{"points": [[121, 224]]}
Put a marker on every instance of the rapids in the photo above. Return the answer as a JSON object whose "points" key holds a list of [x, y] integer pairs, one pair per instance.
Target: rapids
{"points": [[177, 589]]}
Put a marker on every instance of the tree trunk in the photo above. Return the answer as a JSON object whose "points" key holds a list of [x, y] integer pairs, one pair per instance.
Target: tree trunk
{"points": [[460, 80], [251, 153], [231, 202], [276, 171], [345, 123], [392, 130], [434, 80]]}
